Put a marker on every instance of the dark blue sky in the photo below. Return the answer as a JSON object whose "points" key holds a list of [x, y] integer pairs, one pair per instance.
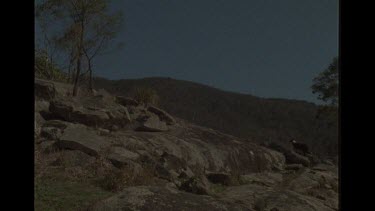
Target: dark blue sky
{"points": [[260, 47]]}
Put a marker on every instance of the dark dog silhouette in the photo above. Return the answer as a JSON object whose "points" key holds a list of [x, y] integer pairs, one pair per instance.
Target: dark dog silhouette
{"points": [[300, 147]]}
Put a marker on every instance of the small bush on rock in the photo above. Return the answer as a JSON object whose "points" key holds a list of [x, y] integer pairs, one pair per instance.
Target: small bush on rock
{"points": [[115, 179], [146, 96]]}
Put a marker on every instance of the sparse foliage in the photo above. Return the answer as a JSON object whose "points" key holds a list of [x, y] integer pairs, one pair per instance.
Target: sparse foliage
{"points": [[82, 29], [146, 96], [46, 69], [326, 84]]}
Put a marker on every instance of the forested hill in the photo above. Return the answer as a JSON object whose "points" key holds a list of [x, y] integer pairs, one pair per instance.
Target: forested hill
{"points": [[245, 116]]}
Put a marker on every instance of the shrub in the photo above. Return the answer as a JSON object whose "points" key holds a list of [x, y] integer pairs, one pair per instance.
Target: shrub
{"points": [[115, 179], [46, 70], [146, 96]]}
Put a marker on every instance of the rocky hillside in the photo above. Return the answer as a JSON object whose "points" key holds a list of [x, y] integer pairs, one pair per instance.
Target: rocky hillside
{"points": [[105, 152], [249, 117]]}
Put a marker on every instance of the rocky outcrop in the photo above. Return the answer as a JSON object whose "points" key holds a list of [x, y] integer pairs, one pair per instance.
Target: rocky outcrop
{"points": [[282, 191], [204, 169], [89, 127], [178, 155], [89, 113], [200, 148]]}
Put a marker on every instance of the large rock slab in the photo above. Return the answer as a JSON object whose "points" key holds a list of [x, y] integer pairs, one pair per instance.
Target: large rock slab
{"points": [[120, 156], [56, 124], [294, 158], [291, 157], [163, 115], [91, 111], [79, 137], [44, 90], [203, 149], [41, 105], [50, 133], [152, 198], [153, 124]]}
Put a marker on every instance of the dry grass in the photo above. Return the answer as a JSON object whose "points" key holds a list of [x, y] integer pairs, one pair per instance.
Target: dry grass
{"points": [[146, 96], [41, 162], [115, 179], [62, 194]]}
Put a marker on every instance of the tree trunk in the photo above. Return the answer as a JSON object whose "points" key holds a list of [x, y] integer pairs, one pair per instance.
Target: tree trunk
{"points": [[71, 62], [79, 55], [75, 88], [90, 77], [69, 72]]}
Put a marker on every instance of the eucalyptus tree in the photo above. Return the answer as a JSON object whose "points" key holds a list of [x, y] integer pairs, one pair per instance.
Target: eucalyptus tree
{"points": [[86, 28]]}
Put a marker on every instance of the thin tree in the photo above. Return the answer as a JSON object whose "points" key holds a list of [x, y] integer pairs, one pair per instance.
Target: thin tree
{"points": [[104, 30], [81, 20]]}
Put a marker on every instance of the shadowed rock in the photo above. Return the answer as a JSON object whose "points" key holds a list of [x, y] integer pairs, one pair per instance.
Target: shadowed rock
{"points": [[51, 133], [196, 186], [219, 178], [290, 156], [294, 158], [91, 111], [163, 115], [294, 167], [125, 101], [57, 124], [79, 137], [44, 90], [120, 156], [153, 124]]}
